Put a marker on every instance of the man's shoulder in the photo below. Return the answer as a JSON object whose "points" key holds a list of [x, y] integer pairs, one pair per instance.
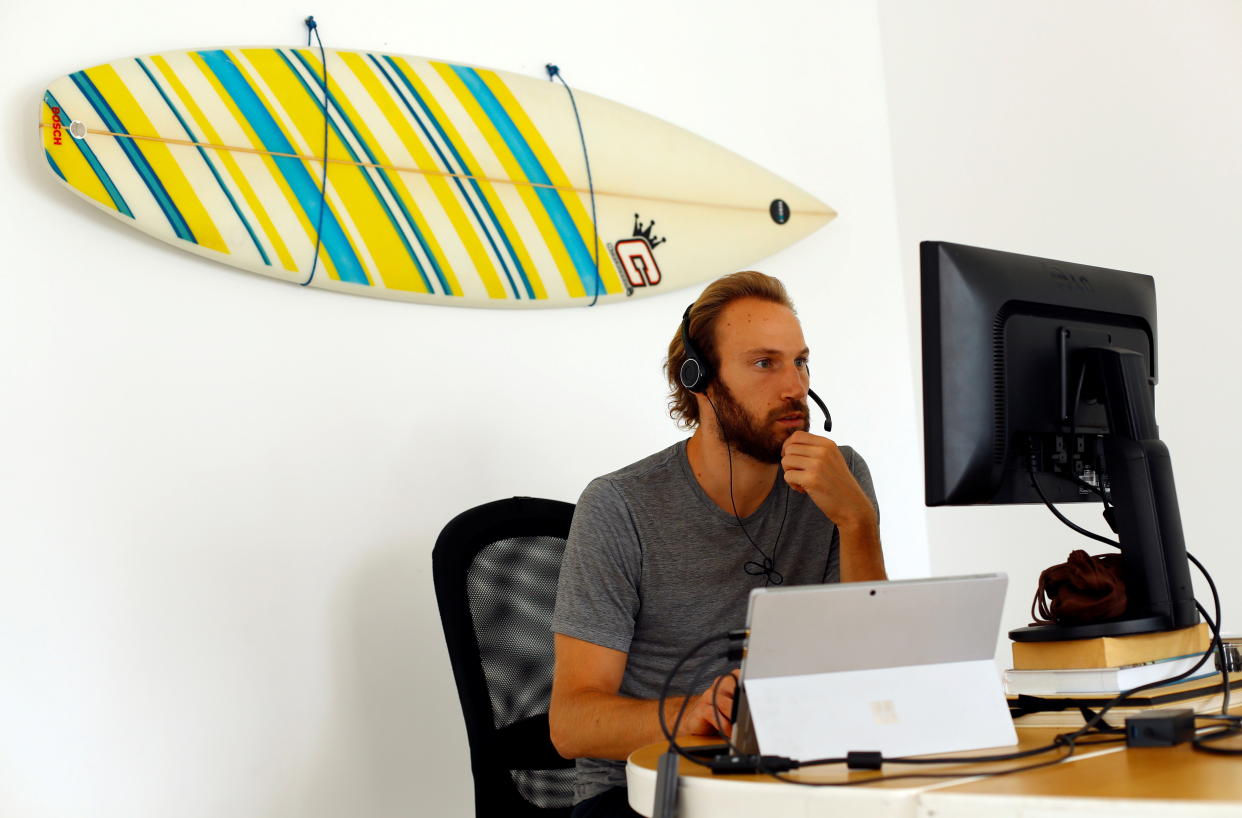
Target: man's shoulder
{"points": [[664, 461], [642, 476]]}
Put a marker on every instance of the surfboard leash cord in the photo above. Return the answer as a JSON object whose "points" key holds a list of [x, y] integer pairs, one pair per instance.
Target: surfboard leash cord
{"points": [[312, 28], [554, 72]]}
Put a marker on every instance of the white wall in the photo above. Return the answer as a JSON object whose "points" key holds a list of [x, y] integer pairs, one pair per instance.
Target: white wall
{"points": [[220, 492], [1106, 133]]}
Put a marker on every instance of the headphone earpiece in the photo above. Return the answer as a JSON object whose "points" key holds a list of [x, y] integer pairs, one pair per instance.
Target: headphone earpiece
{"points": [[694, 374]]}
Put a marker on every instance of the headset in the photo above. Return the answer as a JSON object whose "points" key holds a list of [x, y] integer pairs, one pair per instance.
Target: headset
{"points": [[696, 373]]}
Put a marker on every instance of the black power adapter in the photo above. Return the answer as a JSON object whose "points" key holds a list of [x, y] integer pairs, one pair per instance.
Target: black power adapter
{"points": [[726, 764], [1160, 728]]}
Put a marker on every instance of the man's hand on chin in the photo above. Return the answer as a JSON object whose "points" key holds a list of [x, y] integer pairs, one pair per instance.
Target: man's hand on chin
{"points": [[815, 467]]}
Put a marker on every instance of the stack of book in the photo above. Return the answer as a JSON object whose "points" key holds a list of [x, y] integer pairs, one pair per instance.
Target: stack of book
{"points": [[1052, 682]]}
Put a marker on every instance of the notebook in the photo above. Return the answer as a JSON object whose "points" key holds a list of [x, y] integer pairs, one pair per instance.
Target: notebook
{"points": [[903, 667]]}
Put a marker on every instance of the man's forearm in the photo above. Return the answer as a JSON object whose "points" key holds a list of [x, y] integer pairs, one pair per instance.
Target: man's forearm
{"points": [[604, 725], [861, 556]]}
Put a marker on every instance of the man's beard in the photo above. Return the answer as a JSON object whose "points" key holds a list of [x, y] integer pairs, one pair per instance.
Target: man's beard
{"points": [[760, 441]]}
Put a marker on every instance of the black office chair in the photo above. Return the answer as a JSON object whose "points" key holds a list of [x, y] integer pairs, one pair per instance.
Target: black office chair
{"points": [[495, 569]]}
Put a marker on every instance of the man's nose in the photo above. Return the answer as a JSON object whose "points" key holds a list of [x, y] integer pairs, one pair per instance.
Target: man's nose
{"points": [[795, 383]]}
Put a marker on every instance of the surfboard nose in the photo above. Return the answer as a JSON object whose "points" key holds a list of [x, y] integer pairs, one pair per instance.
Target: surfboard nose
{"points": [[69, 136], [796, 205]]}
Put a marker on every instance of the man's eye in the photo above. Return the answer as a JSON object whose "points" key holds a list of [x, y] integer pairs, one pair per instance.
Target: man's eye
{"points": [[763, 363], [801, 363]]}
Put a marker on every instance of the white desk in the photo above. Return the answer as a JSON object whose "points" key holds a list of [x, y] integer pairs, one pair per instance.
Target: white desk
{"points": [[1100, 781]]}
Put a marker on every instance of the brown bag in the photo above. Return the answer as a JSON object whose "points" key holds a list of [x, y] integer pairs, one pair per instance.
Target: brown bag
{"points": [[1081, 590]]}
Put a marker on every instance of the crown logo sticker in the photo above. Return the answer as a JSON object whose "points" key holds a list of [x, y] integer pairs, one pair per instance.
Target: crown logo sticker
{"points": [[635, 256], [647, 232]]}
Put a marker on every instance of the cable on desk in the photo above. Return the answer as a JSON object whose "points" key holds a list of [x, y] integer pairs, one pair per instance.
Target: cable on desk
{"points": [[1064, 741], [1126, 694], [671, 734], [1217, 644], [1067, 745], [1221, 660], [716, 711], [1203, 743]]}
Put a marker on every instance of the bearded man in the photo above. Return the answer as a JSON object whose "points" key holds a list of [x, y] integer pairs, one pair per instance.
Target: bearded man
{"points": [[666, 551]]}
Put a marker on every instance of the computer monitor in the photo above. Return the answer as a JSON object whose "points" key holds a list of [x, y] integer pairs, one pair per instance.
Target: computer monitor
{"points": [[1041, 370]]}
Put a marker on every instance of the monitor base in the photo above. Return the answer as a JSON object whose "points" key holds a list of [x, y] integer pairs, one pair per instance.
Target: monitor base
{"points": [[1118, 627]]}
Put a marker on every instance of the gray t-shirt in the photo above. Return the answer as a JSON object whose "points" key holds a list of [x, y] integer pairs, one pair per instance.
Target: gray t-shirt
{"points": [[653, 566]]}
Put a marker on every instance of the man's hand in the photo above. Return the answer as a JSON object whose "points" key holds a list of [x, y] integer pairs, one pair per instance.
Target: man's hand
{"points": [[587, 717], [703, 718], [815, 467]]}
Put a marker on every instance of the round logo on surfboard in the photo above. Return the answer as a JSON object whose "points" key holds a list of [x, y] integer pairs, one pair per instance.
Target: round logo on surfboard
{"points": [[779, 210]]}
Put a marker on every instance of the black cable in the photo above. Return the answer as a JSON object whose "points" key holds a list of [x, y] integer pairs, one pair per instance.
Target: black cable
{"points": [[1125, 694], [1070, 740], [1220, 659], [1202, 744], [823, 762], [1065, 741], [779, 531], [957, 758], [1217, 644], [767, 568], [671, 735], [1060, 743], [1098, 717], [1071, 744], [1035, 482], [1216, 626], [685, 702], [716, 712], [313, 28]]}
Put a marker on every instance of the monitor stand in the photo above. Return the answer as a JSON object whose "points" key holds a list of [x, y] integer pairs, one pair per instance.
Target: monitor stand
{"points": [[1119, 627], [1149, 525]]}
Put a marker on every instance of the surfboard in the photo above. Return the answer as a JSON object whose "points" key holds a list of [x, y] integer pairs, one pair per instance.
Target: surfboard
{"points": [[446, 183]]}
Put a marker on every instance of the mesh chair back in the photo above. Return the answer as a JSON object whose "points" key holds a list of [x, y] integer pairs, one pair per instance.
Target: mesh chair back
{"points": [[495, 569]]}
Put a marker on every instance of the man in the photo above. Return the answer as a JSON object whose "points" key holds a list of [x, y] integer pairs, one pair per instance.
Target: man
{"points": [[666, 551]]}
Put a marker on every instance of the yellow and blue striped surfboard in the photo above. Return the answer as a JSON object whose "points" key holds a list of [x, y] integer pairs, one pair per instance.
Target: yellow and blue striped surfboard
{"points": [[446, 184]]}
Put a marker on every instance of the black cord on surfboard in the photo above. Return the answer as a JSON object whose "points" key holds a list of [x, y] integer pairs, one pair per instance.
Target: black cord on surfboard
{"points": [[554, 72], [313, 28]]}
